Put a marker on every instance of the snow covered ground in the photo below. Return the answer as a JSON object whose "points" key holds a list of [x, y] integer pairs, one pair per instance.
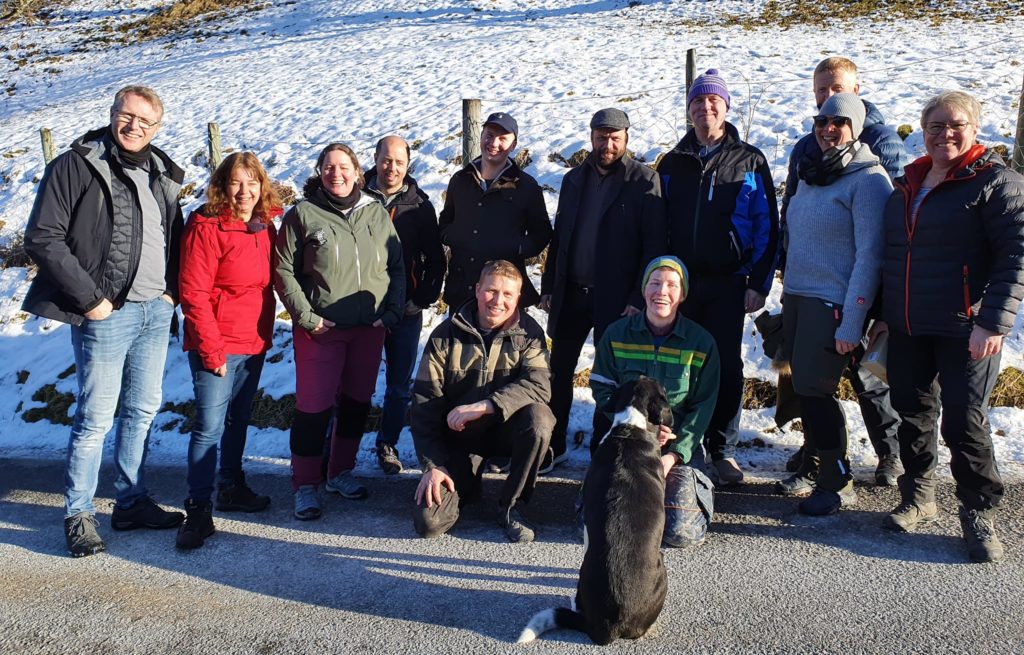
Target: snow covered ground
{"points": [[286, 80]]}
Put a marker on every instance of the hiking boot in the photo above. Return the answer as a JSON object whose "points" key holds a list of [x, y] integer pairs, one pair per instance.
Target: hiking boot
{"points": [[823, 502], [81, 535], [238, 497], [387, 457], [347, 486], [551, 460], [307, 505], [909, 516], [796, 485], [144, 513], [980, 534], [516, 529], [728, 472], [888, 471], [197, 527], [795, 460]]}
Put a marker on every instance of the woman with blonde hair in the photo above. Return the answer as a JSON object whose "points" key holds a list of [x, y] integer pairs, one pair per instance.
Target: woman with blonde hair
{"points": [[227, 299]]}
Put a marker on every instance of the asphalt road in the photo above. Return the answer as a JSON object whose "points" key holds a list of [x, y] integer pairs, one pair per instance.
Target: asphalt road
{"points": [[766, 581]]}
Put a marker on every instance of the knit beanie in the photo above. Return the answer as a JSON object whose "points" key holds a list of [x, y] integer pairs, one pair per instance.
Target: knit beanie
{"points": [[667, 261], [709, 82], [849, 106]]}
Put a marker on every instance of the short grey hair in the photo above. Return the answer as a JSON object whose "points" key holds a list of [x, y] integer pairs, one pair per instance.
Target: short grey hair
{"points": [[957, 100], [142, 91]]}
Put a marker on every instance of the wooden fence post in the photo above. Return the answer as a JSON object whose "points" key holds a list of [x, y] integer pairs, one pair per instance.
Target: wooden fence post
{"points": [[213, 136], [470, 130], [691, 75], [49, 152], [1017, 159]]}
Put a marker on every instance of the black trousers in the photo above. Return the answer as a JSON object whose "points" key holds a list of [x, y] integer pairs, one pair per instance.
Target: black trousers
{"points": [[524, 438], [928, 372], [574, 324], [716, 304]]}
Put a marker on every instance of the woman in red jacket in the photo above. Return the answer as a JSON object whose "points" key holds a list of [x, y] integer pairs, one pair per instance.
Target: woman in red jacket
{"points": [[228, 302]]}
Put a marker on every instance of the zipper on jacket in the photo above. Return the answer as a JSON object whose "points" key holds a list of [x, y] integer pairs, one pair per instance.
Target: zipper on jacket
{"points": [[967, 293], [359, 273]]}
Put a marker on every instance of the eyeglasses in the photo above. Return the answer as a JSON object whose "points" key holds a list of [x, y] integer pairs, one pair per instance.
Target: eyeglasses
{"points": [[939, 128], [125, 118], [821, 122]]}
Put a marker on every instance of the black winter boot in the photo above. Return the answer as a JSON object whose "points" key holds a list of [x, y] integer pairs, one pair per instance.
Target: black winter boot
{"points": [[197, 527], [238, 497]]}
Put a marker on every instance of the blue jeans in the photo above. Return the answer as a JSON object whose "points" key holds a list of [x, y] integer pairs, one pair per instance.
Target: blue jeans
{"points": [[400, 347], [119, 358], [223, 407]]}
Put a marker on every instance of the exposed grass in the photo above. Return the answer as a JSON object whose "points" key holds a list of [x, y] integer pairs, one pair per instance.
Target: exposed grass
{"points": [[267, 412], [181, 16], [784, 14], [758, 394], [25, 11], [12, 251], [56, 409], [1009, 389]]}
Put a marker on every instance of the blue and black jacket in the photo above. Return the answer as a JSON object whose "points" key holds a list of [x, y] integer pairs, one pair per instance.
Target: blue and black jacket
{"points": [[722, 216]]}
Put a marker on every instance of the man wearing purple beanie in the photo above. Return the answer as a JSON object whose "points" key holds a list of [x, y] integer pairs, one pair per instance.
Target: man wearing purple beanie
{"points": [[724, 225]]}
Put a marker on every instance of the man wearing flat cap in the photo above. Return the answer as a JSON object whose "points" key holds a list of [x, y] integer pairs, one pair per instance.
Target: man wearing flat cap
{"points": [[610, 222], [492, 210]]}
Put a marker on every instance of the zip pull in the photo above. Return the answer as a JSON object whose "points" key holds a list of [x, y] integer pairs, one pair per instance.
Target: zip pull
{"points": [[711, 189]]}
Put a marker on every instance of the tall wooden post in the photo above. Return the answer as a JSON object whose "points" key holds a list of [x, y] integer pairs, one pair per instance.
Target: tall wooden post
{"points": [[471, 126], [691, 75], [1017, 160], [49, 152], [213, 136]]}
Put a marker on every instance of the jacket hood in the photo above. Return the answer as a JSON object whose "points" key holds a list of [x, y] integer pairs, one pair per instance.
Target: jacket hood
{"points": [[203, 215], [97, 145], [975, 159], [871, 115]]}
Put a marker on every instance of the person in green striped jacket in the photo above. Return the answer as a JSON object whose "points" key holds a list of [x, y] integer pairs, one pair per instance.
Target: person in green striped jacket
{"points": [[664, 345]]}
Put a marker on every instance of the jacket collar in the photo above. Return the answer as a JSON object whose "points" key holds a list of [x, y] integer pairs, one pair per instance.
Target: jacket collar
{"points": [[466, 318], [690, 145], [977, 158], [408, 196]]}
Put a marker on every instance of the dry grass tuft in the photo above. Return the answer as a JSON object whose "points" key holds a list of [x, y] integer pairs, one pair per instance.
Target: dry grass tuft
{"points": [[286, 192], [581, 379], [56, 409], [181, 16], [1009, 389], [758, 394]]}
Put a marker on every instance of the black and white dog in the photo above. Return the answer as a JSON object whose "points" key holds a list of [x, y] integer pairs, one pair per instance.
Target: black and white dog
{"points": [[622, 582]]}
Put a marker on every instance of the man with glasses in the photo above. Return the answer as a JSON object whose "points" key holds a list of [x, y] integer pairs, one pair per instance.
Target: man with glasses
{"points": [[831, 76], [104, 231]]}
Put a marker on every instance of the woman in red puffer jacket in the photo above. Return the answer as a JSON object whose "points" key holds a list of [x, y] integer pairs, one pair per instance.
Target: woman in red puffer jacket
{"points": [[228, 301]]}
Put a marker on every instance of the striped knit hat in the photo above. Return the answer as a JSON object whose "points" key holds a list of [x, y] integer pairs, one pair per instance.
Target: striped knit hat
{"points": [[667, 261], [710, 83]]}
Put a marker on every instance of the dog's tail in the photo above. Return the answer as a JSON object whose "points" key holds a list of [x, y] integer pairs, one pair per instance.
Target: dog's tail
{"points": [[556, 617]]}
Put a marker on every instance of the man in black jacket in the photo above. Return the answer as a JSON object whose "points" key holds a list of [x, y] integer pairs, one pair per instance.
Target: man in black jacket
{"points": [[610, 222], [492, 210], [104, 231], [416, 223]]}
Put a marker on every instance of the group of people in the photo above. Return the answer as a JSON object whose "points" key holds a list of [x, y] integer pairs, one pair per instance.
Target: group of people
{"points": [[662, 264]]}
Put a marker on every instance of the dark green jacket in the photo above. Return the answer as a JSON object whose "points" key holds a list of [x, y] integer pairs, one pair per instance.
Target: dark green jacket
{"points": [[686, 364], [458, 369], [345, 267]]}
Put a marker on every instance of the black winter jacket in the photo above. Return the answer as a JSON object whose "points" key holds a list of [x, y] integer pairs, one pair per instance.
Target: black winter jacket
{"points": [[722, 218], [416, 223], [507, 221], [631, 233], [962, 262], [83, 254]]}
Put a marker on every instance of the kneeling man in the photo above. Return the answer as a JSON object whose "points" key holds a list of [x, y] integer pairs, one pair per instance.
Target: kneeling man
{"points": [[482, 390]]}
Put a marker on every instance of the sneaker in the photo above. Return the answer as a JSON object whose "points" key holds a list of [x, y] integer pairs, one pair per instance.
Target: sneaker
{"points": [[795, 460], [796, 485], [499, 465], [197, 527], [889, 469], [144, 513], [346, 484], [307, 505], [81, 535], [387, 457], [823, 502], [516, 529], [980, 534], [728, 471], [551, 460], [238, 497], [908, 517]]}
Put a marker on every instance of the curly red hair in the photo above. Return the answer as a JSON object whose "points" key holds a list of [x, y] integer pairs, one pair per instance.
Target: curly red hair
{"points": [[218, 202]]}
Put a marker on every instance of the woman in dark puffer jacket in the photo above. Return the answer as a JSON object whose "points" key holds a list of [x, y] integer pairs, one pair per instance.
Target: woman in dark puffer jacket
{"points": [[953, 279]]}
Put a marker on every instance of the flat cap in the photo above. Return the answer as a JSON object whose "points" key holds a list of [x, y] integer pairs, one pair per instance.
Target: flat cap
{"points": [[610, 118]]}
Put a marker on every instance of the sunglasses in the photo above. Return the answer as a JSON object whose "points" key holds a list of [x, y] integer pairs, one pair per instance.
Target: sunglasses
{"points": [[821, 122]]}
